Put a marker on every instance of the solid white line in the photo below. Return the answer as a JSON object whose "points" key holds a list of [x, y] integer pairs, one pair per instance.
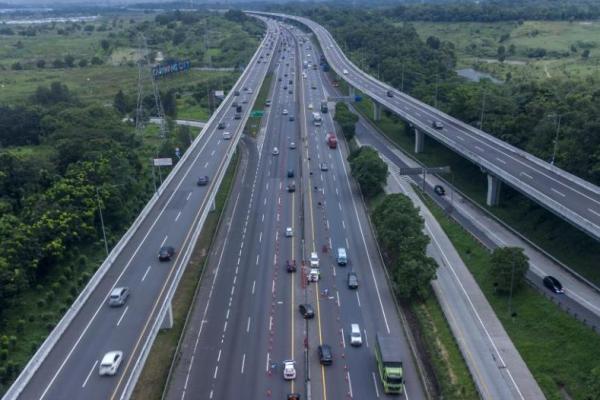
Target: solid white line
{"points": [[248, 325], [273, 286], [178, 215], [337, 293], [267, 368], [357, 298], [164, 240], [594, 212], [146, 273], [89, 374], [216, 371], [343, 337], [122, 315], [350, 384], [557, 192], [243, 362]]}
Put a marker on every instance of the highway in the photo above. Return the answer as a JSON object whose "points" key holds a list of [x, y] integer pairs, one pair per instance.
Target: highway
{"points": [[245, 320], [174, 217], [570, 197]]}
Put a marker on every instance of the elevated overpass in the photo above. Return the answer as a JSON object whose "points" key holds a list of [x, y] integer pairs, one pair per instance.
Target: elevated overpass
{"points": [[572, 198], [66, 364]]}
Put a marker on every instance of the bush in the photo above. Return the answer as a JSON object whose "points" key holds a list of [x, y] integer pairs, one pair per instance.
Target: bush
{"points": [[3, 354], [21, 325], [41, 303]]}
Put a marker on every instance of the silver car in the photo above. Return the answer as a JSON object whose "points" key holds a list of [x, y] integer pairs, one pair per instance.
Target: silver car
{"points": [[118, 296]]}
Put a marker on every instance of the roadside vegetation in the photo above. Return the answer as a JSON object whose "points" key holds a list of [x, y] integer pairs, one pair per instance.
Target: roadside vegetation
{"points": [[68, 151], [561, 352]]}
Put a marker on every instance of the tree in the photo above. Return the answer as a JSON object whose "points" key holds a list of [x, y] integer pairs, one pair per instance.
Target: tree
{"points": [[501, 53], [105, 44], [433, 42], [16, 66], [585, 54], [96, 60], [83, 63], [69, 61], [40, 63], [369, 170], [120, 103], [400, 234], [508, 265], [593, 384]]}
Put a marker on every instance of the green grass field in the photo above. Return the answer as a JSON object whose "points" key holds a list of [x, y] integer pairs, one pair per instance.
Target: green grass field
{"points": [[477, 44], [559, 350]]}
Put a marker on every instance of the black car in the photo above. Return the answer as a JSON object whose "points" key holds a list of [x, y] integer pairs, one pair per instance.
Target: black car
{"points": [[325, 355], [291, 187], [390, 94], [236, 93], [203, 181], [306, 310], [439, 190], [437, 125], [285, 88], [352, 280], [291, 118], [165, 253], [290, 173], [221, 125], [553, 284]]}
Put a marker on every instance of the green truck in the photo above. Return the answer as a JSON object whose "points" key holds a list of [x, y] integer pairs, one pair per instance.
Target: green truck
{"points": [[389, 363]]}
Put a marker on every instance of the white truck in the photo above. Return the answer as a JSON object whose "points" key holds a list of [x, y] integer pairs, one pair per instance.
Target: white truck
{"points": [[317, 119]]}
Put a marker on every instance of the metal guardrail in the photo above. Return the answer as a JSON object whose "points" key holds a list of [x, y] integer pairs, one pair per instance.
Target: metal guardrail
{"points": [[545, 200], [40, 355]]}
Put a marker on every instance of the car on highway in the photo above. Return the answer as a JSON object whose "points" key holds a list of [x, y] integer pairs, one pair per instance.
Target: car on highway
{"points": [[325, 354], [345, 71], [355, 335], [250, 91], [245, 100], [110, 363], [291, 118], [236, 93], [285, 111], [439, 190], [275, 151], [291, 187], [314, 260], [226, 135], [293, 396], [166, 253], [390, 93], [290, 173], [289, 232], [352, 280], [118, 296], [437, 125], [323, 166], [289, 370], [221, 125], [290, 91], [279, 79], [290, 265], [553, 284], [202, 181], [306, 310], [314, 275], [310, 106], [267, 103], [292, 145], [313, 86]]}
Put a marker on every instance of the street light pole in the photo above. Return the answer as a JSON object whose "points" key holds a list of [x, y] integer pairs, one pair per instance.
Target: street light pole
{"points": [[101, 220], [558, 116]]}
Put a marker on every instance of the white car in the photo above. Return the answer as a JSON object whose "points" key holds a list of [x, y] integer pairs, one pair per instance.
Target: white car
{"points": [[310, 106], [355, 335], [110, 363], [345, 71], [289, 232], [324, 166], [289, 370], [314, 260], [285, 111], [314, 275], [226, 135], [275, 151]]}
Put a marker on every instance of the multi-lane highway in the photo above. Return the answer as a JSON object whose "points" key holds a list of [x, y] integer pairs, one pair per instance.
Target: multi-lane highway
{"points": [[67, 364], [245, 321], [572, 198]]}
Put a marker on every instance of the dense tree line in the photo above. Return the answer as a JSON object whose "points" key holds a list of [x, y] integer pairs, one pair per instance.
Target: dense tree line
{"points": [[369, 170], [346, 120]]}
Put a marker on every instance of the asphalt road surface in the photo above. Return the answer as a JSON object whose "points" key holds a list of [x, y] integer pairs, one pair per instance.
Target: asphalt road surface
{"points": [[246, 321]]}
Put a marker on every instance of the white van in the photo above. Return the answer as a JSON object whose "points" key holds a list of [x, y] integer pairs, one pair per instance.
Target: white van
{"points": [[314, 260], [355, 335], [341, 256]]}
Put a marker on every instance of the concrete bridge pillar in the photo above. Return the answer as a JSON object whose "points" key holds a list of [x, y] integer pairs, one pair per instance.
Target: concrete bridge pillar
{"points": [[167, 322], [376, 111], [493, 192], [419, 140]]}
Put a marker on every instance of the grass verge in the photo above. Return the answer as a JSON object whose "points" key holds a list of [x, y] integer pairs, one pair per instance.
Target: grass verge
{"points": [[559, 351], [156, 370], [451, 372], [557, 237], [253, 124]]}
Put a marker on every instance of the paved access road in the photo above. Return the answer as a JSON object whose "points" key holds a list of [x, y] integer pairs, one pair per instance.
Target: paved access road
{"points": [[246, 321], [71, 368], [575, 200]]}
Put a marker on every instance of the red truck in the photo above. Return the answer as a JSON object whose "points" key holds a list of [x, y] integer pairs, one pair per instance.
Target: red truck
{"points": [[331, 140]]}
